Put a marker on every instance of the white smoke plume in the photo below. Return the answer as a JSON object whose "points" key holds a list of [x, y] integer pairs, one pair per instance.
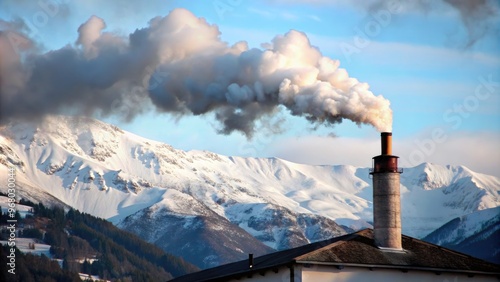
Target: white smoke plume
{"points": [[88, 34], [199, 73]]}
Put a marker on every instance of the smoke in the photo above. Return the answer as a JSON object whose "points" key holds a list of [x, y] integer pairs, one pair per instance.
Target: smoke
{"points": [[88, 34], [480, 18], [179, 64]]}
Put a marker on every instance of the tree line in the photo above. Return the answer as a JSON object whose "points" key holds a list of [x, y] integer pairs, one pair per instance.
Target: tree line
{"points": [[91, 245]]}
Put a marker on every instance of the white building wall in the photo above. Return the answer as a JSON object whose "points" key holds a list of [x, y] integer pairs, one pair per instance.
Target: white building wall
{"points": [[349, 274], [283, 275]]}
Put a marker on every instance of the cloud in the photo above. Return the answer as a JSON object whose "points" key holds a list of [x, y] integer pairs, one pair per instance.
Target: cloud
{"points": [[289, 16], [390, 53], [319, 150], [476, 150], [260, 12], [51, 8], [479, 17], [314, 18], [453, 148], [269, 14]]}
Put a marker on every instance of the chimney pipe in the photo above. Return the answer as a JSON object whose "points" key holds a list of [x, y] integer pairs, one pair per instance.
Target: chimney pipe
{"points": [[386, 197], [386, 143]]}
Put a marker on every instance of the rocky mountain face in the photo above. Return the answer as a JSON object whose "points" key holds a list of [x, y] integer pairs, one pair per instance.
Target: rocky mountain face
{"points": [[185, 227], [222, 207], [476, 234]]}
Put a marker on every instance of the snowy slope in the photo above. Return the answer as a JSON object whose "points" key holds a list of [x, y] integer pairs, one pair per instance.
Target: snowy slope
{"points": [[185, 227], [22, 209], [476, 234], [102, 170], [23, 245], [433, 194], [454, 231]]}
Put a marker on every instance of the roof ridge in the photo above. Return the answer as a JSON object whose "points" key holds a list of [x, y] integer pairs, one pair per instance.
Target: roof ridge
{"points": [[445, 249], [339, 241]]}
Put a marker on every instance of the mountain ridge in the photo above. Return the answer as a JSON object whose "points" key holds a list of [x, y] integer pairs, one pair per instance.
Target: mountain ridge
{"points": [[475, 234], [107, 172]]}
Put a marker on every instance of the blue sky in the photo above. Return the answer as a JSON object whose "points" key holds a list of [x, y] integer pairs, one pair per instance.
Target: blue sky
{"points": [[444, 91]]}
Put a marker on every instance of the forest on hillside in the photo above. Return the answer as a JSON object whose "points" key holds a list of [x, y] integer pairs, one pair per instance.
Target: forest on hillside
{"points": [[85, 244]]}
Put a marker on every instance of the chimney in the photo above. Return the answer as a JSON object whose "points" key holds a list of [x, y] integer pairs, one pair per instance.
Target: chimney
{"points": [[250, 260], [386, 197], [386, 143]]}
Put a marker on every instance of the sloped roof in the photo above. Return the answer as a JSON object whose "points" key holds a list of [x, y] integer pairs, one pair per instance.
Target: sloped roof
{"points": [[355, 249]]}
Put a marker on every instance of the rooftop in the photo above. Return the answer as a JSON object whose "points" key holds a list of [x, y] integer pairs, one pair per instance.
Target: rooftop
{"points": [[355, 249]]}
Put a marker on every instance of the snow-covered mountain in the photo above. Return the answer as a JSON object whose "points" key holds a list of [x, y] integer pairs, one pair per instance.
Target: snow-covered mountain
{"points": [[105, 171], [476, 234]]}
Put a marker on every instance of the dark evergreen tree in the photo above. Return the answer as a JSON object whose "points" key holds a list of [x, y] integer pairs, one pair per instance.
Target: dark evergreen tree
{"points": [[32, 233]]}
